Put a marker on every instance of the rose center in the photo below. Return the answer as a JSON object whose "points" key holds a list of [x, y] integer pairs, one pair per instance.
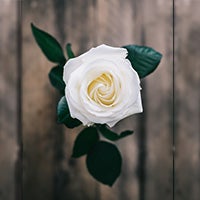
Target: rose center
{"points": [[102, 90]]}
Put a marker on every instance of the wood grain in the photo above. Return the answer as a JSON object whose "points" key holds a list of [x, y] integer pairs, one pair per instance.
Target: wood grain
{"points": [[78, 20], [116, 25], [48, 171], [39, 103], [8, 99], [158, 100], [187, 100]]}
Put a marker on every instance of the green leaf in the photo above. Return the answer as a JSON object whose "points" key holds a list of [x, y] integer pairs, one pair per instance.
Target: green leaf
{"points": [[85, 141], [104, 162], [110, 135], [125, 133], [64, 116], [49, 45], [69, 51], [143, 59], [56, 78]]}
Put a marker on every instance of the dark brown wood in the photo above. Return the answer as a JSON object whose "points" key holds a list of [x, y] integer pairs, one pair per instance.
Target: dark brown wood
{"points": [[79, 24], [187, 100], [39, 102], [49, 172], [8, 99]]}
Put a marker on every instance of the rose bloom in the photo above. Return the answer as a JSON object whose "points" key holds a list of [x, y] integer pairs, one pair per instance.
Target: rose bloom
{"points": [[101, 86]]}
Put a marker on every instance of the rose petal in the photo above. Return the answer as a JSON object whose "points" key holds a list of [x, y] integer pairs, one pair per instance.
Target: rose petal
{"points": [[104, 51], [70, 66]]}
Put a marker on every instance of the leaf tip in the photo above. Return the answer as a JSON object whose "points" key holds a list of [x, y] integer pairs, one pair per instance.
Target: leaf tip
{"points": [[69, 51], [69, 44], [111, 183], [32, 26]]}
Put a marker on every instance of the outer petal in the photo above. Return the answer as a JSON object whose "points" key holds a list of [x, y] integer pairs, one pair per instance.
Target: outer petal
{"points": [[104, 51], [133, 109], [70, 66], [137, 106], [76, 110]]}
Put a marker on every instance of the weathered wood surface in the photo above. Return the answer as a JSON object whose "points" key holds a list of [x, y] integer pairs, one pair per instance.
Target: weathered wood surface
{"points": [[48, 171], [91, 23], [38, 127], [158, 99], [187, 100], [8, 98], [116, 26]]}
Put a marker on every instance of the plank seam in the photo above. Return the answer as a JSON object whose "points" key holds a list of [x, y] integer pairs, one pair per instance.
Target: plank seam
{"points": [[19, 161], [173, 98]]}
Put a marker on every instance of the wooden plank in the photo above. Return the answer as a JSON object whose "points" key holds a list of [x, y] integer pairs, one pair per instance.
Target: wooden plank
{"points": [[49, 173], [116, 27], [136, 22], [157, 26], [79, 21], [39, 102], [8, 98], [187, 95]]}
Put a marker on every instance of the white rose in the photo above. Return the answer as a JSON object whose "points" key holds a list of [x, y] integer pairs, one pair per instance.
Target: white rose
{"points": [[101, 86]]}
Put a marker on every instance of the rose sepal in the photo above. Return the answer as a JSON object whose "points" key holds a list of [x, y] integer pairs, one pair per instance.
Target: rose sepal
{"points": [[69, 51]]}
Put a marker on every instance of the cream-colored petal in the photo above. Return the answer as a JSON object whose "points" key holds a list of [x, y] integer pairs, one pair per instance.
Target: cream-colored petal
{"points": [[70, 66], [104, 51]]}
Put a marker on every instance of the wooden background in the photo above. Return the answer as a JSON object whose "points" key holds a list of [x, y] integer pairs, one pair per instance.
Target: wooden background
{"points": [[28, 101]]}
